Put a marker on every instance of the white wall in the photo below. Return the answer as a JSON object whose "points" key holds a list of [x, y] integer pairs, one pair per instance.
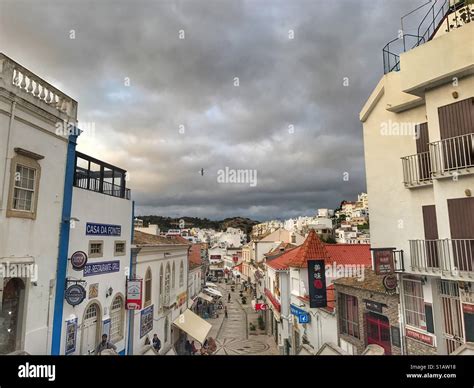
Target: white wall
{"points": [[153, 258], [92, 207], [34, 130]]}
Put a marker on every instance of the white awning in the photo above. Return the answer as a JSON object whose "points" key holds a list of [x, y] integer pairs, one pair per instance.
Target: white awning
{"points": [[210, 284], [213, 292], [202, 295], [193, 325]]}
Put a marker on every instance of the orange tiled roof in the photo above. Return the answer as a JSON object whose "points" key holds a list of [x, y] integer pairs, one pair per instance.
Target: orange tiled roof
{"points": [[194, 256], [140, 238], [282, 261], [349, 254], [312, 249]]}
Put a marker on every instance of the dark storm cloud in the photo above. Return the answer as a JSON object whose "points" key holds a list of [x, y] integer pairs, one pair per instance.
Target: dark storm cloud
{"points": [[190, 82]]}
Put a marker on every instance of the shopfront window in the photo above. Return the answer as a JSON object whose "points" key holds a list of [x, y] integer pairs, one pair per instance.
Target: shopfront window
{"points": [[414, 303], [349, 315]]}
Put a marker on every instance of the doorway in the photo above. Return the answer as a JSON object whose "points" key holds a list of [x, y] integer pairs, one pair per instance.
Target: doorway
{"points": [[378, 331], [90, 329], [10, 315]]}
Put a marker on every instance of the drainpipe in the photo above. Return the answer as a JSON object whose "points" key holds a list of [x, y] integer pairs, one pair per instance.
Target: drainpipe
{"points": [[402, 315], [131, 275], [64, 245], [10, 125]]}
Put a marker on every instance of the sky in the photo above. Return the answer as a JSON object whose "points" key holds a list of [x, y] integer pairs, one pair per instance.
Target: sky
{"points": [[183, 94]]}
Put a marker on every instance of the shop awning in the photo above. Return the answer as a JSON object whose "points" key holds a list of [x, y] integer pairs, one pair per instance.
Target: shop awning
{"points": [[193, 325], [202, 295], [213, 292], [210, 284], [215, 268]]}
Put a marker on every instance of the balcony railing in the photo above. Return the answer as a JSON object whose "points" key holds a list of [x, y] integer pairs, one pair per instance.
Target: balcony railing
{"points": [[100, 177], [452, 155], [416, 169], [453, 258]]}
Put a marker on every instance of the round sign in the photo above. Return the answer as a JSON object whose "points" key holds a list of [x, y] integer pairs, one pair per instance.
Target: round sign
{"points": [[75, 294], [390, 282], [78, 260]]}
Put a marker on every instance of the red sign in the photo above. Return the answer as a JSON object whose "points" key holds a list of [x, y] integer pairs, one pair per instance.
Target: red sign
{"points": [[383, 261], [235, 259], [468, 308], [260, 306], [274, 301], [134, 294], [427, 339]]}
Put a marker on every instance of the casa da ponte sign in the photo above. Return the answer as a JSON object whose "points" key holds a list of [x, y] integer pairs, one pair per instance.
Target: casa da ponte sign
{"points": [[93, 229]]}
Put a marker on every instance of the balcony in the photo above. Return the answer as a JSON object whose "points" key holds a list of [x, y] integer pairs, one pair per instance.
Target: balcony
{"points": [[446, 158], [452, 156], [417, 170], [27, 85], [100, 177], [441, 17], [448, 258]]}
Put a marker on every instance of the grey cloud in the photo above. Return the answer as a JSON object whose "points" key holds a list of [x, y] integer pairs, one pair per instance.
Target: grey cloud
{"points": [[190, 82]]}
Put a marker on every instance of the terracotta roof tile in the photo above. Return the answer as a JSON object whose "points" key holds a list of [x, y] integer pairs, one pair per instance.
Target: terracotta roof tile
{"points": [[140, 238], [195, 259], [311, 249]]}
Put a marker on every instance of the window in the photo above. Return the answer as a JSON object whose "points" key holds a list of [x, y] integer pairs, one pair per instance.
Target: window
{"points": [[148, 287], [173, 277], [120, 247], [181, 274], [116, 319], [96, 248], [167, 285], [23, 193], [161, 287], [25, 174], [349, 315], [414, 303], [167, 327]]}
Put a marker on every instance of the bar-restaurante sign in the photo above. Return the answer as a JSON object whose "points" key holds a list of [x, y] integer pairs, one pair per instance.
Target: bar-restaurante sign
{"points": [[383, 260]]}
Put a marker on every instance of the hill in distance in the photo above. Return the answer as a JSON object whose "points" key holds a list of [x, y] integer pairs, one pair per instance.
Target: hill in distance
{"points": [[165, 223]]}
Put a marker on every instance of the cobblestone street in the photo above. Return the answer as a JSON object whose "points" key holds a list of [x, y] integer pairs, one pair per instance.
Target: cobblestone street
{"points": [[232, 334]]}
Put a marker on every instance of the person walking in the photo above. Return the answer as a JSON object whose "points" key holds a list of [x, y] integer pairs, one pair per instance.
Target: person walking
{"points": [[187, 348], [228, 297], [225, 311], [193, 348], [156, 342]]}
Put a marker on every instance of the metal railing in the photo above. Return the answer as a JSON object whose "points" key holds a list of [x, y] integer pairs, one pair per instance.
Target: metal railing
{"points": [[447, 257], [391, 51], [455, 153], [416, 169], [101, 186], [425, 32]]}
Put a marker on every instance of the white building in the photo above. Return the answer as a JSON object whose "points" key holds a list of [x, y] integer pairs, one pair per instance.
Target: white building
{"points": [[418, 139], [33, 158], [162, 264], [314, 327], [101, 222]]}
